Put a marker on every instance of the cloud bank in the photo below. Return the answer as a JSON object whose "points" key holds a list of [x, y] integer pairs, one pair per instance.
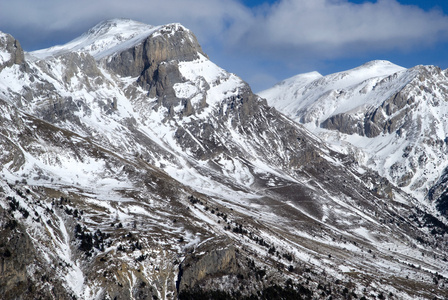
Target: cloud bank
{"points": [[329, 27], [47, 18], [333, 28]]}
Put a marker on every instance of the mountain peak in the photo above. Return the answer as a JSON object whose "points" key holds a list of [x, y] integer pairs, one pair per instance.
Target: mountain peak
{"points": [[120, 26], [379, 67], [378, 62], [103, 37], [108, 37]]}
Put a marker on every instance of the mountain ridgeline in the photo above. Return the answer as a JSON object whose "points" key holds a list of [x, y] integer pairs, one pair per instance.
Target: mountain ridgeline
{"points": [[133, 167], [392, 119]]}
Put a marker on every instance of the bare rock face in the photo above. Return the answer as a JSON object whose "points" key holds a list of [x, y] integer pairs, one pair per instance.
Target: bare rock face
{"points": [[344, 123], [10, 51], [15, 256], [154, 61], [198, 269], [389, 117], [393, 113], [77, 62]]}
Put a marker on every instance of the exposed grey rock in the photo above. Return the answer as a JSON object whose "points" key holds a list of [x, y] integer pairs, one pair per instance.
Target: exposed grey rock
{"points": [[344, 123], [12, 48], [154, 61], [196, 269], [23, 272], [80, 63]]}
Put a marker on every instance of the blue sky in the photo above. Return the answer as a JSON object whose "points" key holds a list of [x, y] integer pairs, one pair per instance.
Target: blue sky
{"points": [[261, 41]]}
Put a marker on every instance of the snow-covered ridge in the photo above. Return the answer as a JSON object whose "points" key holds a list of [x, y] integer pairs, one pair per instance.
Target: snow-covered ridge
{"points": [[108, 37], [391, 117], [346, 79], [316, 98]]}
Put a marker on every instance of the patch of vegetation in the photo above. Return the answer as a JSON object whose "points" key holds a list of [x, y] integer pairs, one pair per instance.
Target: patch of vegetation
{"points": [[423, 219], [14, 205], [442, 204], [89, 240]]}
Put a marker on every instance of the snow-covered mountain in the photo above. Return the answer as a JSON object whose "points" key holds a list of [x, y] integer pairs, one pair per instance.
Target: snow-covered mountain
{"points": [[133, 167], [392, 119], [314, 98]]}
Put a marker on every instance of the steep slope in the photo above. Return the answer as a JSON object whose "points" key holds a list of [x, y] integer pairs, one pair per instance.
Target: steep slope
{"points": [[134, 167], [392, 119], [318, 97], [106, 38]]}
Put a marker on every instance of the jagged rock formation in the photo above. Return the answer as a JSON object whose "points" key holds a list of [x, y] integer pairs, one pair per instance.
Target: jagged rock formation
{"points": [[10, 52], [154, 61], [132, 166]]}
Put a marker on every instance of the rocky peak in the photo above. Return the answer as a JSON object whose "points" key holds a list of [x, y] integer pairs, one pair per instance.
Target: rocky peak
{"points": [[10, 51], [132, 49], [154, 60], [379, 64]]}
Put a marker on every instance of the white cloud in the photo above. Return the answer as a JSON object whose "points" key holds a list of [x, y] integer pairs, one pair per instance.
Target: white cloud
{"points": [[333, 28], [327, 28], [206, 18]]}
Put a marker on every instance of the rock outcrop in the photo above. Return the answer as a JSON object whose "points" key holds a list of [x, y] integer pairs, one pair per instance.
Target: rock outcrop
{"points": [[10, 51], [197, 269], [23, 271], [154, 61]]}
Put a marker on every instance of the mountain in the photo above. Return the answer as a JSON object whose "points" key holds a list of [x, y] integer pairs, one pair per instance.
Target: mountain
{"points": [[133, 167], [315, 98], [392, 119]]}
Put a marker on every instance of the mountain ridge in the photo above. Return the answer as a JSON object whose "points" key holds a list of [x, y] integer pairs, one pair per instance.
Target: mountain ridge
{"points": [[167, 177], [400, 113], [102, 37]]}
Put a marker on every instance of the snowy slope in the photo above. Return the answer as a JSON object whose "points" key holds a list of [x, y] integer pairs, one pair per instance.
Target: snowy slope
{"points": [[391, 118], [4, 54], [181, 177], [319, 97], [107, 37]]}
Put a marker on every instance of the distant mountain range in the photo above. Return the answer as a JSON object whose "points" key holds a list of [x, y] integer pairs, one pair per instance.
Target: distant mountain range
{"points": [[133, 167]]}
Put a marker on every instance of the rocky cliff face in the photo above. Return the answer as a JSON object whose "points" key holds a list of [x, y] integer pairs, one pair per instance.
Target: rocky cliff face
{"points": [[134, 167], [154, 61], [11, 52], [207, 267], [394, 113]]}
